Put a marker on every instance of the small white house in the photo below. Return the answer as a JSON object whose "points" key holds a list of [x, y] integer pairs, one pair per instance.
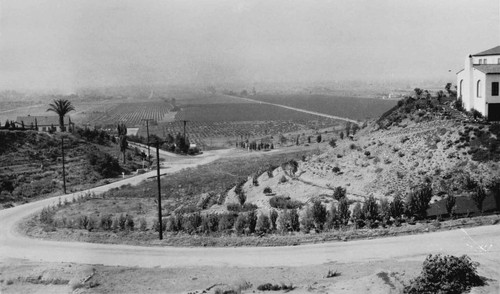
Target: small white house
{"points": [[478, 83]]}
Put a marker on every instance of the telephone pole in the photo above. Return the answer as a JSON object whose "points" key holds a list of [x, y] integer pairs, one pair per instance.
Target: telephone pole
{"points": [[147, 132], [63, 171], [184, 121], [160, 224], [159, 189]]}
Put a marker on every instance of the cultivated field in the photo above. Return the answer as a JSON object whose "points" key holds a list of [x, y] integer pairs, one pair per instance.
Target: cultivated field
{"points": [[131, 114], [349, 107]]}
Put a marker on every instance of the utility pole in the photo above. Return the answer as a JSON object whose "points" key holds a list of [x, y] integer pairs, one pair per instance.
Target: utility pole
{"points": [[147, 132], [159, 189], [184, 121], [64, 171], [160, 225]]}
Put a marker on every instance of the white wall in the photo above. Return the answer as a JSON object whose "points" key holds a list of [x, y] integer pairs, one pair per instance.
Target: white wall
{"points": [[493, 59]]}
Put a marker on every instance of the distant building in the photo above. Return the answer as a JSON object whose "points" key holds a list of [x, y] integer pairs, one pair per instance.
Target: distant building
{"points": [[478, 83], [43, 123]]}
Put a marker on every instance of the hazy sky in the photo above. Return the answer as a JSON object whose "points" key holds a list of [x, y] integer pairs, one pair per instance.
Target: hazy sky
{"points": [[67, 44]]}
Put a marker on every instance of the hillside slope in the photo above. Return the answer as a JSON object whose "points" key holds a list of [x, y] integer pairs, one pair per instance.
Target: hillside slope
{"points": [[418, 142], [31, 164]]}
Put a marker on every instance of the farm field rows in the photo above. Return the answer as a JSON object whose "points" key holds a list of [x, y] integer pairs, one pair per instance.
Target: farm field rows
{"points": [[241, 112], [132, 114], [349, 107]]}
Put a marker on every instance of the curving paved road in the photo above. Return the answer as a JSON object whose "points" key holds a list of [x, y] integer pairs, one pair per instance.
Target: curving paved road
{"points": [[482, 243]]}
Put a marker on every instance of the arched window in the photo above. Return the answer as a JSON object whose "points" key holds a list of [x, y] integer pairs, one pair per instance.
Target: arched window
{"points": [[478, 94], [460, 89]]}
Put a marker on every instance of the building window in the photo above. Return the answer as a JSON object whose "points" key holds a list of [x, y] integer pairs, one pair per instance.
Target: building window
{"points": [[480, 61], [460, 89], [485, 61], [478, 94], [494, 89], [498, 60]]}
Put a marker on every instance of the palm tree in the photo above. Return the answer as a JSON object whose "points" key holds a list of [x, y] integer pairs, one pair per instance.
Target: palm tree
{"points": [[61, 107]]}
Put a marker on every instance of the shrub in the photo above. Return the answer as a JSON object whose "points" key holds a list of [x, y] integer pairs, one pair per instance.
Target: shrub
{"points": [[164, 224], [344, 212], [478, 197], [82, 221], [143, 224], [318, 212], [339, 193], [336, 169], [332, 219], [122, 222], [240, 224], [241, 197], [450, 204], [252, 221], [105, 164], [106, 222], [283, 179], [273, 216], [129, 223], [270, 171], [333, 143], [226, 222], [384, 211], [268, 190], [494, 187], [307, 221], [289, 221], [192, 222], [283, 202], [47, 215], [210, 223], [263, 223], [396, 208], [370, 208], [445, 274], [469, 183], [417, 202], [358, 216]]}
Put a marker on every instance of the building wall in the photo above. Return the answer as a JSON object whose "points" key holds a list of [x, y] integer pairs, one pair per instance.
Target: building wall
{"points": [[468, 79], [493, 59], [489, 98]]}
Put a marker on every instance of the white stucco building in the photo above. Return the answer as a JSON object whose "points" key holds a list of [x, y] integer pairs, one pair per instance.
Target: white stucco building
{"points": [[478, 83]]}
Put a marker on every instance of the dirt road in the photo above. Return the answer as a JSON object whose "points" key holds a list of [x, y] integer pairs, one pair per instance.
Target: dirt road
{"points": [[481, 243]]}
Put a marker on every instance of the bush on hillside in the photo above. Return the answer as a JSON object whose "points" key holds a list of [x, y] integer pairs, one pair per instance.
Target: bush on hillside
{"points": [[478, 197], [283, 202], [263, 223], [343, 211], [339, 193], [445, 274], [417, 202], [319, 214], [105, 164], [371, 208]]}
